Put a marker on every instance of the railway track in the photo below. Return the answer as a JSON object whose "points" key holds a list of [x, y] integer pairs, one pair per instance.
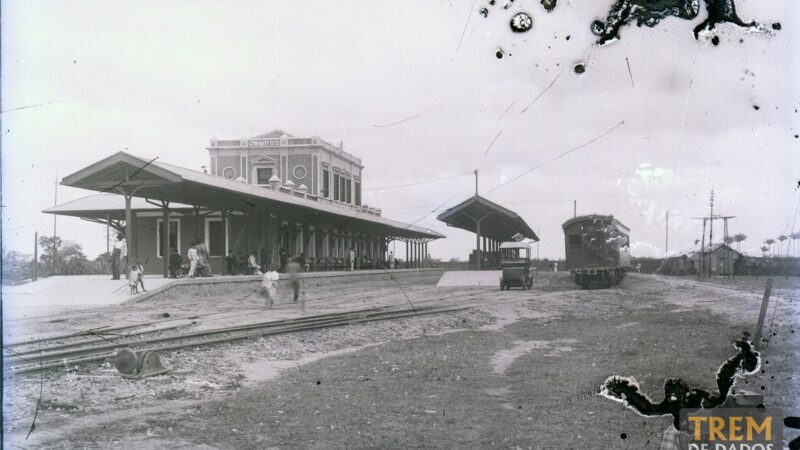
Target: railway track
{"points": [[67, 356], [164, 335]]}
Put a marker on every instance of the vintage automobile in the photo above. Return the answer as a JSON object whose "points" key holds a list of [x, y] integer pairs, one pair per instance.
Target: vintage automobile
{"points": [[516, 265]]}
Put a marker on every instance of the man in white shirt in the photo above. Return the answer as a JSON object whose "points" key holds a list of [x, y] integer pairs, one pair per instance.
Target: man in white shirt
{"points": [[193, 258], [352, 259], [118, 256], [391, 260]]}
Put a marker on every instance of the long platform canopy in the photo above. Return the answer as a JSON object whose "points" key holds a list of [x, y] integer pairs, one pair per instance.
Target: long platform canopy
{"points": [[496, 222], [154, 180]]}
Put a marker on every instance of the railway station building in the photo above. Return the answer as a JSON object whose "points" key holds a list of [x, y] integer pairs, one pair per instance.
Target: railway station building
{"points": [[274, 194]]}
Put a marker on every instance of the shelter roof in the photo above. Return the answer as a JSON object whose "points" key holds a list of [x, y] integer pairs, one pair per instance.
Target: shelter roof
{"points": [[156, 180], [497, 222]]}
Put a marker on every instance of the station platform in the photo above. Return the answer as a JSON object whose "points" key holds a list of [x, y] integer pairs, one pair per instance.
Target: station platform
{"points": [[70, 292], [470, 278]]}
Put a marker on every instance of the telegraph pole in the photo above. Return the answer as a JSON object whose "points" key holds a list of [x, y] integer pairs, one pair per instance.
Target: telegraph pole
{"points": [[476, 183], [574, 208], [55, 203]]}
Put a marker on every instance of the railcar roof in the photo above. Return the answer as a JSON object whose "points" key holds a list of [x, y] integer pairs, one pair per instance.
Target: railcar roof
{"points": [[590, 217]]}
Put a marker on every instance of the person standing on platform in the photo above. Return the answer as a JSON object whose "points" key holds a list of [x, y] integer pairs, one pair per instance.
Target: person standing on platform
{"points": [[175, 262], [203, 264], [133, 280], [252, 264], [391, 260], [292, 270], [140, 277], [120, 251], [193, 258], [352, 258]]}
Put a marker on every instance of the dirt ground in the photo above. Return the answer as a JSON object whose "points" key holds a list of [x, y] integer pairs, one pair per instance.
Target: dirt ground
{"points": [[520, 371]]}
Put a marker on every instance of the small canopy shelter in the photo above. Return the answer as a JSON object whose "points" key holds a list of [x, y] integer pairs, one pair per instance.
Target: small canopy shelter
{"points": [[489, 221]]}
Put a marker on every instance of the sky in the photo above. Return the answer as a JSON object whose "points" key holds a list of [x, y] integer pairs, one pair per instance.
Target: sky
{"points": [[415, 89]]}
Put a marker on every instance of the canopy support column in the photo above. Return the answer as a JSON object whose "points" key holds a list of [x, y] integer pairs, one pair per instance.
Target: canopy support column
{"points": [[165, 252]]}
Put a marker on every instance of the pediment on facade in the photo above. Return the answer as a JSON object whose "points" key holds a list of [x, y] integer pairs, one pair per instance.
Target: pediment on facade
{"points": [[264, 160]]}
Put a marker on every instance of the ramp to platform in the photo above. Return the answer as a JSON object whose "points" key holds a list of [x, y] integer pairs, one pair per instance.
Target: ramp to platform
{"points": [[470, 278], [62, 293]]}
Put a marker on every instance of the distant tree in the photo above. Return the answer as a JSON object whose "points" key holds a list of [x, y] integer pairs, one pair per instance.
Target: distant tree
{"points": [[764, 250], [455, 260], [728, 240], [795, 237], [769, 243], [102, 264], [66, 258], [782, 238], [739, 238], [17, 267], [48, 249]]}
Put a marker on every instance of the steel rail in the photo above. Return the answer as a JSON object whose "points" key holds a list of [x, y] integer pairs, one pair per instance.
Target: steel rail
{"points": [[96, 355]]}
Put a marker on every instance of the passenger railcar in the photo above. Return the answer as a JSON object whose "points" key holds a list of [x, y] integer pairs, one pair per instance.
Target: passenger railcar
{"points": [[597, 250]]}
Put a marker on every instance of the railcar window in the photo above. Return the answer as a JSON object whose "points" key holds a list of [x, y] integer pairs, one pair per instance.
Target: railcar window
{"points": [[574, 240]]}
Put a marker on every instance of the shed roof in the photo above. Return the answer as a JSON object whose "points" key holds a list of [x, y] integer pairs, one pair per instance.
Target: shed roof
{"points": [[153, 179], [497, 222]]}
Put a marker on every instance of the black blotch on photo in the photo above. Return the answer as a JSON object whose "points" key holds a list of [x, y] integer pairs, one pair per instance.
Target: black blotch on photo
{"points": [[319, 382], [499, 53], [623, 436], [756, 107], [484, 12], [568, 36], [521, 22], [715, 40], [549, 5], [598, 27], [776, 26], [579, 68]]}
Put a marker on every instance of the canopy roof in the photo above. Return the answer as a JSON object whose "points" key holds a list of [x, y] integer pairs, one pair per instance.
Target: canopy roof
{"points": [[156, 180], [108, 206], [497, 222]]}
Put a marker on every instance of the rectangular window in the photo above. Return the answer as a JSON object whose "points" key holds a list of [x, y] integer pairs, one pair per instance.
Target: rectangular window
{"points": [[574, 240], [325, 182], [336, 186], [215, 237], [342, 192], [174, 236], [358, 193], [349, 189], [263, 175]]}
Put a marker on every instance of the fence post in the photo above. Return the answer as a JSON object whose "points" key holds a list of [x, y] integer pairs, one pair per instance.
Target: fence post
{"points": [[762, 314]]}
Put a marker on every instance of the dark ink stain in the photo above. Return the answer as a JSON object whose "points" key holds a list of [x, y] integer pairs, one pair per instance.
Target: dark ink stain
{"points": [[549, 5], [507, 5], [677, 394], [598, 27], [499, 53], [491, 2], [319, 382], [756, 107], [484, 12], [650, 12], [776, 26], [579, 68], [568, 36], [715, 40], [623, 436], [521, 22]]}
